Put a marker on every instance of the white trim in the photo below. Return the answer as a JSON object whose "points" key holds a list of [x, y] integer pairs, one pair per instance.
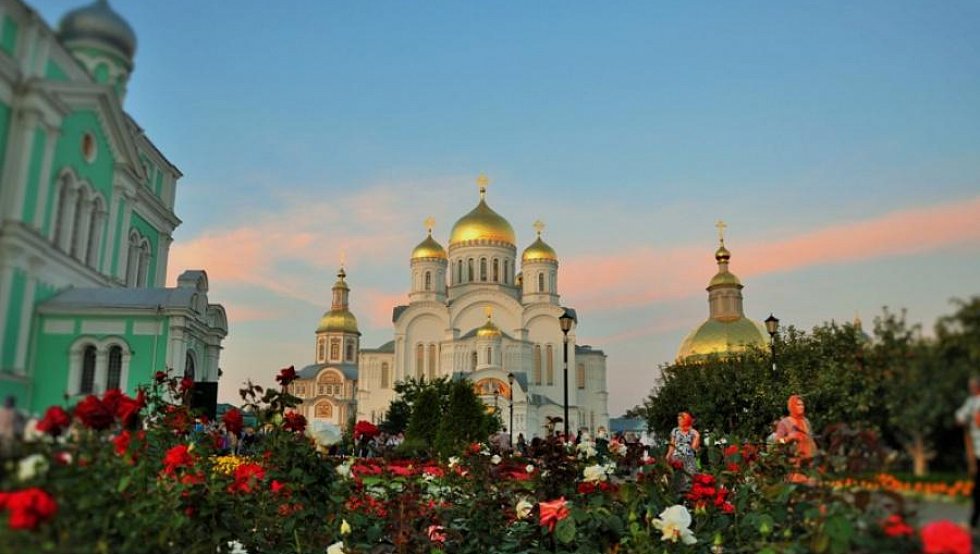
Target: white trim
{"points": [[45, 186], [59, 327], [26, 311], [6, 283], [103, 327]]}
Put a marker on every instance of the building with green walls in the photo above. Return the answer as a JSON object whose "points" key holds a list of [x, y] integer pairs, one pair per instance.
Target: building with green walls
{"points": [[86, 221]]}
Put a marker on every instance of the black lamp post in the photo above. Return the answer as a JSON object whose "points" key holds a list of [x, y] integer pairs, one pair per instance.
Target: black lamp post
{"points": [[567, 320], [510, 380], [772, 326]]}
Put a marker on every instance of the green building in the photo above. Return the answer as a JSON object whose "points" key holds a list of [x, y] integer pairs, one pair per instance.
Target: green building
{"points": [[86, 221]]}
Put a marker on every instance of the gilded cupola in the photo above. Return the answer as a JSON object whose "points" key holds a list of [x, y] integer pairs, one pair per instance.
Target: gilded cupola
{"points": [[539, 249], [429, 248], [488, 329], [482, 223]]}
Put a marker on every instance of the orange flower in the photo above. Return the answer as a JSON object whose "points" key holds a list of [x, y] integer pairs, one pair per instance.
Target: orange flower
{"points": [[552, 512]]}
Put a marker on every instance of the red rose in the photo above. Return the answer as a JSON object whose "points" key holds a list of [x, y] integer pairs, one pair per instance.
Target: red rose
{"points": [[895, 526], [277, 487], [186, 384], [55, 420], [295, 422], [552, 512], [177, 457], [286, 375], [731, 450], [945, 537], [93, 413], [246, 476], [233, 421], [111, 399], [586, 488], [128, 409], [160, 377], [177, 419], [28, 508]]}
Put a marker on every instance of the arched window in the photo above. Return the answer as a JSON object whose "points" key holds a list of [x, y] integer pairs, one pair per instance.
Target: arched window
{"points": [[335, 349], [144, 264], [114, 375], [349, 354], [473, 361], [428, 280], [496, 270], [489, 356], [469, 273], [189, 369], [537, 364], [385, 375], [95, 232], [506, 272], [321, 349], [551, 365], [87, 385], [63, 225], [483, 269], [432, 362], [580, 376], [541, 282], [324, 410], [459, 272], [419, 360], [132, 258]]}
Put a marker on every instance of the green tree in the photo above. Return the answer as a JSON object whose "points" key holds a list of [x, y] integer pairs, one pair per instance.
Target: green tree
{"points": [[426, 414], [465, 420]]}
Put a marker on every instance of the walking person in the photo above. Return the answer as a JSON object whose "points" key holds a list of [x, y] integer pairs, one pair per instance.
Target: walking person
{"points": [[968, 416]]}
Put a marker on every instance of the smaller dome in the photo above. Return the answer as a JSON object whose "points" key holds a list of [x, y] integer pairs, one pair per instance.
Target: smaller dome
{"points": [[724, 278], [338, 321], [539, 250], [98, 24], [488, 329], [429, 248], [722, 337], [722, 254]]}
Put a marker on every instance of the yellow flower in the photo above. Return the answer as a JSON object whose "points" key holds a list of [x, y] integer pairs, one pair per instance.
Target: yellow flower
{"points": [[344, 528]]}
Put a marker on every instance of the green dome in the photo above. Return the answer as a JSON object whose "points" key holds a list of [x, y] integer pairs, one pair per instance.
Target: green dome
{"points": [[722, 337]]}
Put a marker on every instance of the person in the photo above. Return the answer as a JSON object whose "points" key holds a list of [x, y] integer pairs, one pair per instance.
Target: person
{"points": [[685, 441], [968, 416], [521, 444], [10, 427], [795, 429]]}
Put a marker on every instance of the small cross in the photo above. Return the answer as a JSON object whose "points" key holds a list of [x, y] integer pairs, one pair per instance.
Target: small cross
{"points": [[721, 231], [430, 222], [483, 181], [489, 311], [539, 226], [343, 258]]}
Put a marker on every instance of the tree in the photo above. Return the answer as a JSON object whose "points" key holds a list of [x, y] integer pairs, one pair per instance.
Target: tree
{"points": [[426, 415], [465, 420]]}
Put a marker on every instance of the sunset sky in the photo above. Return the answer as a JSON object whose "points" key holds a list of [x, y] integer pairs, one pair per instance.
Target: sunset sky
{"points": [[840, 141]]}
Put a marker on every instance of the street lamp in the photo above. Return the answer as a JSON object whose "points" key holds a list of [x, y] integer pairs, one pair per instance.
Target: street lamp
{"points": [[510, 380], [567, 320], [772, 326]]}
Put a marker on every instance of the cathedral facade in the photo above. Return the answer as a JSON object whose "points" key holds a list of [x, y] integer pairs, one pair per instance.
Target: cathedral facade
{"points": [[478, 311], [86, 221]]}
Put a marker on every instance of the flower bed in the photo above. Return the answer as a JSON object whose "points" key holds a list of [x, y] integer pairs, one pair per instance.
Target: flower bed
{"points": [[119, 474], [938, 490]]}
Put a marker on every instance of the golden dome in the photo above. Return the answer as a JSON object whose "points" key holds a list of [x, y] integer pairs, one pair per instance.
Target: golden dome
{"points": [[488, 329], [722, 254], [722, 337], [429, 248], [338, 321], [724, 278], [482, 223]]}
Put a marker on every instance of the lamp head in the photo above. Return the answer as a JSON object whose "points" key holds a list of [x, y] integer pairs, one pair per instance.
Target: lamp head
{"points": [[772, 325]]}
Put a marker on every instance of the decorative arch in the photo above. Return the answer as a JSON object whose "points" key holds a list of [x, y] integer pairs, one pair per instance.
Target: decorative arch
{"points": [[323, 410], [190, 364], [95, 366]]}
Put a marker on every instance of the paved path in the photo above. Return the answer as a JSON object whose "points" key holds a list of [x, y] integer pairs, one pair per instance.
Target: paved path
{"points": [[954, 511]]}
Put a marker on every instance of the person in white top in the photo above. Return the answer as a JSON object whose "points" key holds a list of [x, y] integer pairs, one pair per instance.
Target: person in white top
{"points": [[969, 416]]}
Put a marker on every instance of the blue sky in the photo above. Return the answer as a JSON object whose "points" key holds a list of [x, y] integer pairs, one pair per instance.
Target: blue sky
{"points": [[629, 129]]}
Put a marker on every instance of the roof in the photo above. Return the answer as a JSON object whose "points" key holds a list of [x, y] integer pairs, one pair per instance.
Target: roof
{"points": [[311, 371], [396, 312], [585, 349], [540, 400], [100, 297], [388, 347], [472, 333]]}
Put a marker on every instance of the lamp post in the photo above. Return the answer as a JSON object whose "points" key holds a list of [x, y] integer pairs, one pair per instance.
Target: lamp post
{"points": [[772, 326], [510, 381], [566, 321]]}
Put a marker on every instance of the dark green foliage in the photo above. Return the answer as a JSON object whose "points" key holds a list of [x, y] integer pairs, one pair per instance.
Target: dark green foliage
{"points": [[464, 421], [426, 415]]}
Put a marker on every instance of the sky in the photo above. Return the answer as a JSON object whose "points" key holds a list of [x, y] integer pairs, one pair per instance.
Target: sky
{"points": [[840, 142]]}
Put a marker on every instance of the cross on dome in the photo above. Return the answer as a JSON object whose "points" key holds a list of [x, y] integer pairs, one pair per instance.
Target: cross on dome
{"points": [[430, 222], [483, 182], [489, 311], [539, 226], [721, 231]]}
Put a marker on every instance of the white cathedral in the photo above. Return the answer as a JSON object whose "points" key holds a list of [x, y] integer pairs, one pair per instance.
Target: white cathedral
{"points": [[471, 314]]}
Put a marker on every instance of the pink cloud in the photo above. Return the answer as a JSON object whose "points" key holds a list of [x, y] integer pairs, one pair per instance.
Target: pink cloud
{"points": [[645, 275]]}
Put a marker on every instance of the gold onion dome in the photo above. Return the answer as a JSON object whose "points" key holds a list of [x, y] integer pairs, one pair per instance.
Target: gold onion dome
{"points": [[98, 25], [724, 278], [539, 249], [722, 254], [338, 321], [488, 329], [482, 223], [429, 248], [722, 337]]}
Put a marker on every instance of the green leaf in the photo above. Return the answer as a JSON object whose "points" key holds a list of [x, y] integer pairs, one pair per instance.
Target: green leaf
{"points": [[124, 482], [565, 530]]}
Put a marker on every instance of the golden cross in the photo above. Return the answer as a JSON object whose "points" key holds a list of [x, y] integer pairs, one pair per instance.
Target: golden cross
{"points": [[430, 222], [489, 311], [343, 258], [721, 231], [539, 226], [483, 181]]}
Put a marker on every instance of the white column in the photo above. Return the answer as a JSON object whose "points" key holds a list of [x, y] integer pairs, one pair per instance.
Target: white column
{"points": [[44, 186], [83, 226], [6, 283], [163, 256], [123, 241], [110, 245], [26, 311], [95, 238], [18, 160], [101, 371]]}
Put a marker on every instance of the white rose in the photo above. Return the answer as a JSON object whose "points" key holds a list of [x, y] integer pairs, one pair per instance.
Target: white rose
{"points": [[523, 508], [594, 474], [453, 461], [237, 548], [344, 469], [674, 523], [31, 466], [529, 468], [495, 459], [336, 548]]}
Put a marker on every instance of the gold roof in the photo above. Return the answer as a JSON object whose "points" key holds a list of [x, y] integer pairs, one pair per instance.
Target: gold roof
{"points": [[724, 278], [722, 254], [539, 249], [722, 337], [482, 223], [429, 248], [488, 329], [338, 321]]}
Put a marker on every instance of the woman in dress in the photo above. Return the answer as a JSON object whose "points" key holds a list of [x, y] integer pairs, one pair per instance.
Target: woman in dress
{"points": [[685, 441]]}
